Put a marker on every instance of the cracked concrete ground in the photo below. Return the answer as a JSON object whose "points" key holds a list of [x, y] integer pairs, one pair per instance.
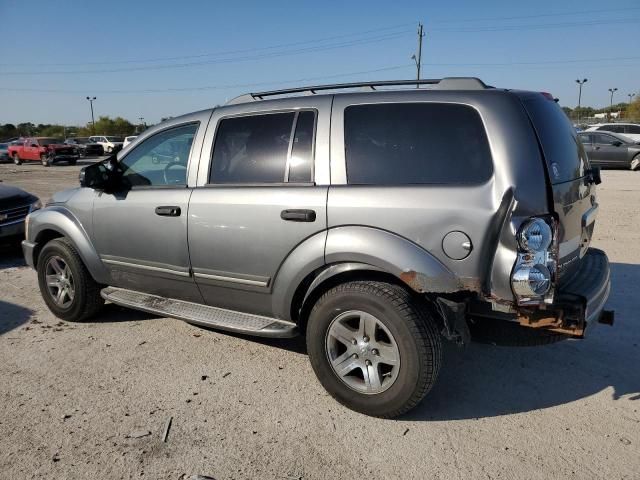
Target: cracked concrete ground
{"points": [[92, 400]]}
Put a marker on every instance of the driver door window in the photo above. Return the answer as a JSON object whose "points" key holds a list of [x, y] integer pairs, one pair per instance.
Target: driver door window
{"points": [[160, 160]]}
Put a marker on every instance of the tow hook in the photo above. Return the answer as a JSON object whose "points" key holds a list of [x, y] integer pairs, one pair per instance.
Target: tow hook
{"points": [[607, 317]]}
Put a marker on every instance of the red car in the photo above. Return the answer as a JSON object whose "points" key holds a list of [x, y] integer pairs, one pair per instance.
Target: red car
{"points": [[43, 149]]}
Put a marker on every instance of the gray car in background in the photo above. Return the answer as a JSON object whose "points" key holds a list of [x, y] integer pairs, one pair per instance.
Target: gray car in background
{"points": [[376, 221], [611, 150]]}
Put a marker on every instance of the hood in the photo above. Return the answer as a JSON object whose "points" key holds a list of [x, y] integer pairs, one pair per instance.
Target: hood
{"points": [[57, 146], [11, 197], [64, 196]]}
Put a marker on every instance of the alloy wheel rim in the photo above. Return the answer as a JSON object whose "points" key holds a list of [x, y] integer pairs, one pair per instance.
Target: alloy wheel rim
{"points": [[60, 282], [362, 352]]}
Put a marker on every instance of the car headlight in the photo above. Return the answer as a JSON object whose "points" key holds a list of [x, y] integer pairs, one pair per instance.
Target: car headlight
{"points": [[531, 281], [37, 205], [535, 236]]}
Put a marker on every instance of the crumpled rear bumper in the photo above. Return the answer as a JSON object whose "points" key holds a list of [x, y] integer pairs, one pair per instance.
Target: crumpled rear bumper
{"points": [[580, 302]]}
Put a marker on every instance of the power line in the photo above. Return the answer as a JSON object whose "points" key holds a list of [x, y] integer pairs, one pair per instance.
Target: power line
{"points": [[543, 26], [223, 53], [539, 15], [376, 39], [209, 87]]}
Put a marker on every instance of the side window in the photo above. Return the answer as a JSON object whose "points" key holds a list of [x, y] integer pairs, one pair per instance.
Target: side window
{"points": [[635, 129], [260, 149], [585, 138], [161, 159], [415, 143], [602, 139], [301, 161]]}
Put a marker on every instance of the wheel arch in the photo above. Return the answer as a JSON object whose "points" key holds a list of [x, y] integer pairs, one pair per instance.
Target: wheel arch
{"points": [[55, 222]]}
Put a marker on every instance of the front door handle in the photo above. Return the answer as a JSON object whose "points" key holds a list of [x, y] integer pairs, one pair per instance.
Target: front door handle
{"points": [[298, 215], [168, 211]]}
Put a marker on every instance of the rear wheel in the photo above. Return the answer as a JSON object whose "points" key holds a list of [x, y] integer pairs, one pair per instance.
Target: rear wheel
{"points": [[373, 347], [65, 283], [16, 159], [635, 163]]}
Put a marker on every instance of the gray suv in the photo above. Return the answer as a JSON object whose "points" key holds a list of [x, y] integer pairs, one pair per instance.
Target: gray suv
{"points": [[375, 221]]}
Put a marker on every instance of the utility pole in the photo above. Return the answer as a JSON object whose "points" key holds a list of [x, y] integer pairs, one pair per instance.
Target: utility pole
{"points": [[141, 123], [580, 83], [418, 59], [612, 90], [93, 120]]}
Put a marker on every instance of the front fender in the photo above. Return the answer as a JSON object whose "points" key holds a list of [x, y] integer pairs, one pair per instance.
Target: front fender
{"points": [[60, 220], [396, 255]]}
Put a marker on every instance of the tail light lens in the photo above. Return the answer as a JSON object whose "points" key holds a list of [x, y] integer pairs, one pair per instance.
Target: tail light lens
{"points": [[533, 276]]}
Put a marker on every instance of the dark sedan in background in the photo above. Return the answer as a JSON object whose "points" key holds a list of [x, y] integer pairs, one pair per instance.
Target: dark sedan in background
{"points": [[611, 150], [4, 153], [15, 205], [86, 148]]}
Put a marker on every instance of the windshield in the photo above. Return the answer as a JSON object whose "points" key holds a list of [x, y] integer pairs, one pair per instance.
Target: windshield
{"points": [[49, 141], [78, 141], [114, 139]]}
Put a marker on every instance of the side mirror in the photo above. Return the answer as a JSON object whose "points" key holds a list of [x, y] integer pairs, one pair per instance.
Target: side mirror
{"points": [[34, 145], [103, 175], [616, 143]]}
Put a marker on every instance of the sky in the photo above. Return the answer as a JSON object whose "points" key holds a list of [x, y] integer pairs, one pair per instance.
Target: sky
{"points": [[161, 58]]}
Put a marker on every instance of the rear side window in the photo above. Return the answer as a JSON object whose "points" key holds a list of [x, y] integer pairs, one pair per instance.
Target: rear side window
{"points": [[635, 129], [415, 143], [564, 154], [270, 148]]}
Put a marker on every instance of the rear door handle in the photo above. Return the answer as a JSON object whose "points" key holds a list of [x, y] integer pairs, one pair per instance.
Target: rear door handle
{"points": [[168, 211], [298, 215]]}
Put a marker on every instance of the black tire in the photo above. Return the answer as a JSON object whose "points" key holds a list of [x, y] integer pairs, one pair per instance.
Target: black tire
{"points": [[509, 334], [44, 159], [16, 159], [414, 332], [87, 300], [72, 162], [635, 163]]}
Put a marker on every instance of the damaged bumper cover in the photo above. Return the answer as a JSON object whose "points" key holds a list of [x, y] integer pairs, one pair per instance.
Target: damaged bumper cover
{"points": [[580, 302]]}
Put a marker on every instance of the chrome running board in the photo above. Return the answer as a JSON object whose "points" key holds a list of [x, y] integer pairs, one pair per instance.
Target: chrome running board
{"points": [[203, 315]]}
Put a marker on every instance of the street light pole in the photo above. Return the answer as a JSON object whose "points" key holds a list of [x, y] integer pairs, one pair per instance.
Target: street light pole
{"points": [[580, 83], [631, 95], [93, 120], [612, 90]]}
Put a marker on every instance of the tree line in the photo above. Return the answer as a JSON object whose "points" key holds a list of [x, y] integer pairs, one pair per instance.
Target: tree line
{"points": [[104, 126], [628, 111]]}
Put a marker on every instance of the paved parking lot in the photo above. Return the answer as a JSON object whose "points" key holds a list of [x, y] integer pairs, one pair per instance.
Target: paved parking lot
{"points": [[92, 400]]}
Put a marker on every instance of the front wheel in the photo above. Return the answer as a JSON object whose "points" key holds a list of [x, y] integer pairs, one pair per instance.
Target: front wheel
{"points": [[65, 283], [16, 159], [44, 159], [635, 163], [374, 347]]}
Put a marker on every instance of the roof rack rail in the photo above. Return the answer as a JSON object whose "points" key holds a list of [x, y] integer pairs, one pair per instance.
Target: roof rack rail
{"points": [[449, 83]]}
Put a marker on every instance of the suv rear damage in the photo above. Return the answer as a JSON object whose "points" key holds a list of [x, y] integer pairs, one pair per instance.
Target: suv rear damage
{"points": [[375, 223]]}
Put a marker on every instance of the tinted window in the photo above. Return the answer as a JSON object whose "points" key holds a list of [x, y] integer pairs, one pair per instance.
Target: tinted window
{"points": [[564, 154], [301, 161], [161, 159], [584, 137], [415, 143], [633, 129], [603, 139], [612, 128], [252, 149]]}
